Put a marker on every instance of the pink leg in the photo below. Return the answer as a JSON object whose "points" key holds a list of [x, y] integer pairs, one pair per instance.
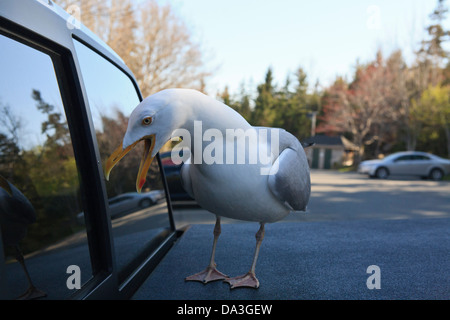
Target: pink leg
{"points": [[32, 292], [210, 273], [249, 279]]}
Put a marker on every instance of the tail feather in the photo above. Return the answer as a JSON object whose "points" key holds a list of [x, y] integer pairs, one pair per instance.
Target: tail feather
{"points": [[307, 144]]}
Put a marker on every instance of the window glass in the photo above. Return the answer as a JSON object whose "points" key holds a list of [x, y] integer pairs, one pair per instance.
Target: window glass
{"points": [[138, 219], [403, 158], [420, 157], [39, 187]]}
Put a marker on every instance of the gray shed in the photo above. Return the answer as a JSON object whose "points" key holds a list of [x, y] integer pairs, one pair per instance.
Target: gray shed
{"points": [[330, 152]]}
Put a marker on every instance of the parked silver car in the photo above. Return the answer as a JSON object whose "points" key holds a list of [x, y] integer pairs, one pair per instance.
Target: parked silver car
{"points": [[413, 163], [130, 201]]}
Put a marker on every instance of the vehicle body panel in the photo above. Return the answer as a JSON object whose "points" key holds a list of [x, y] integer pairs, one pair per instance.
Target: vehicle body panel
{"points": [[413, 163]]}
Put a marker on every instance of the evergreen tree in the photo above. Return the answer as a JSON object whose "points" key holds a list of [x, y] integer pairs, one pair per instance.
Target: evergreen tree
{"points": [[432, 56], [225, 97], [292, 106], [264, 112], [55, 127], [244, 102]]}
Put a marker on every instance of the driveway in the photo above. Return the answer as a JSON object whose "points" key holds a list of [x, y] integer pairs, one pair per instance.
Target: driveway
{"points": [[351, 196], [360, 239]]}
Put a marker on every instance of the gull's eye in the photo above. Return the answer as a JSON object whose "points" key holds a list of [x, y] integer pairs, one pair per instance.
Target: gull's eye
{"points": [[147, 121]]}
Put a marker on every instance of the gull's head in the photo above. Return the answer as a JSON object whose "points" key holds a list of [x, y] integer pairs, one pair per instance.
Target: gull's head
{"points": [[151, 122]]}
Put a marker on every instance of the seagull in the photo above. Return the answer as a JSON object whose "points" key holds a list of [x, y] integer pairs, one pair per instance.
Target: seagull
{"points": [[16, 213], [232, 184]]}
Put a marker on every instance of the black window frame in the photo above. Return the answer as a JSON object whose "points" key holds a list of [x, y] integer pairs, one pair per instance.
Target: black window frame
{"points": [[31, 28]]}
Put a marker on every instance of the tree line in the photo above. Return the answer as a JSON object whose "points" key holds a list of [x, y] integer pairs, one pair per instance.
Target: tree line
{"points": [[386, 106], [152, 39]]}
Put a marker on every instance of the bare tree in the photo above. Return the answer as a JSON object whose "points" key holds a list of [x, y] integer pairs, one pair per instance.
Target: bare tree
{"points": [[152, 40], [367, 108], [121, 33], [169, 55], [402, 81], [10, 124]]}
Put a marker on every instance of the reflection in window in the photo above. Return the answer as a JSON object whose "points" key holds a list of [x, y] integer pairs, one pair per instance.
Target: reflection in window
{"points": [[138, 220], [39, 186]]}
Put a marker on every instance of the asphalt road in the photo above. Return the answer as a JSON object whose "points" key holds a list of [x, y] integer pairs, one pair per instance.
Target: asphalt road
{"points": [[351, 196], [353, 224]]}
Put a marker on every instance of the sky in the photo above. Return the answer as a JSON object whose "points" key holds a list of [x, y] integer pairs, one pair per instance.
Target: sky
{"points": [[243, 38]]}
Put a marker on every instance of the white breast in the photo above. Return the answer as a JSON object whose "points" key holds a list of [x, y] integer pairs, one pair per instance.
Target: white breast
{"points": [[237, 191]]}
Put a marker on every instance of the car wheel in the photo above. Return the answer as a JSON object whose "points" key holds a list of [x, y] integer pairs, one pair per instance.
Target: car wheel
{"points": [[145, 203], [382, 173], [436, 174]]}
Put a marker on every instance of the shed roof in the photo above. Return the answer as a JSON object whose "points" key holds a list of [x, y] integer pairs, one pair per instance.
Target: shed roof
{"points": [[323, 140]]}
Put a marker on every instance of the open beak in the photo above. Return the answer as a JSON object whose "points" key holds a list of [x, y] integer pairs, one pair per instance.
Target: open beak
{"points": [[146, 160]]}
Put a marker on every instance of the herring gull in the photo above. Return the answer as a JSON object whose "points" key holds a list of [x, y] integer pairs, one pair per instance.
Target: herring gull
{"points": [[222, 173]]}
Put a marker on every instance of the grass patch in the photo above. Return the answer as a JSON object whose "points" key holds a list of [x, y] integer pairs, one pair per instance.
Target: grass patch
{"points": [[347, 169]]}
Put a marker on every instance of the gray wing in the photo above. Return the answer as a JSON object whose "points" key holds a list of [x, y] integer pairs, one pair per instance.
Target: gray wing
{"points": [[14, 206], [290, 181]]}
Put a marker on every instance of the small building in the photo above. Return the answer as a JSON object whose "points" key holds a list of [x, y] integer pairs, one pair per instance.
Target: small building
{"points": [[330, 152]]}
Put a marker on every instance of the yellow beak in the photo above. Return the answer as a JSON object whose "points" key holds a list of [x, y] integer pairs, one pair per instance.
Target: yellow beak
{"points": [[146, 160]]}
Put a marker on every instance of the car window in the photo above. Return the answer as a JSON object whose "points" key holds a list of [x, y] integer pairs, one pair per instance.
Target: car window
{"points": [[403, 158], [112, 96], [390, 157], [121, 199], [38, 167], [421, 157]]}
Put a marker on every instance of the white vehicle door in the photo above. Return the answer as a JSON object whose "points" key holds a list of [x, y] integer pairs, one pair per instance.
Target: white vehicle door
{"points": [[402, 165]]}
